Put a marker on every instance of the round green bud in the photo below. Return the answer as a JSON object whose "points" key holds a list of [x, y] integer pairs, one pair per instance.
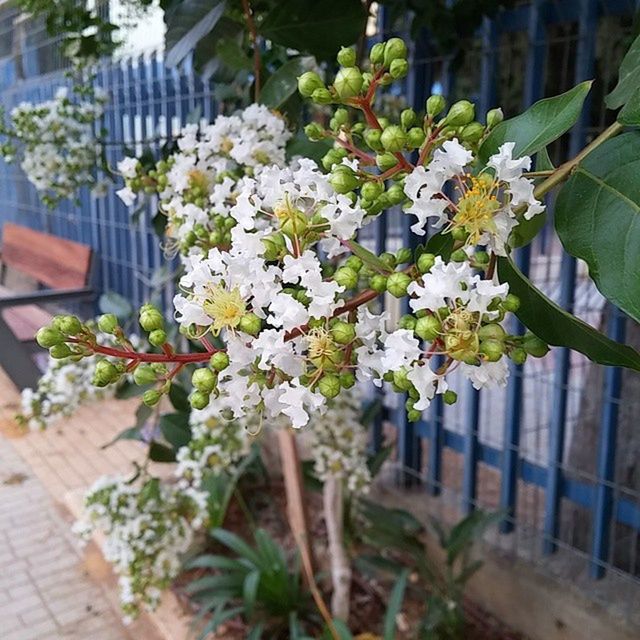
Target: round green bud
{"points": [[459, 234], [397, 284], [428, 328], [393, 138], [346, 277], [458, 255], [295, 225], [415, 137], [378, 283], [204, 380], [435, 105], [329, 385], [69, 325], [472, 132], [150, 318], [403, 256], [408, 321], [425, 262], [393, 49], [219, 361], [492, 349], [511, 303], [215, 237], [491, 331], [199, 399], [534, 346], [341, 116], [371, 190], [108, 323], [144, 374], [376, 55], [395, 193], [399, 69], [460, 113], [348, 82], [354, 262], [308, 82], [385, 161], [347, 380], [250, 323], [407, 118], [314, 131], [107, 371], [157, 337], [330, 158], [151, 397], [343, 332], [47, 337], [343, 180], [413, 415], [59, 351], [372, 138], [389, 259], [481, 257], [518, 355], [274, 245], [450, 397], [322, 96], [494, 118], [401, 381], [346, 57]]}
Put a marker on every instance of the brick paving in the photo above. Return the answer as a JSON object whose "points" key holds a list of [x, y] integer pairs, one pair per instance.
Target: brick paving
{"points": [[50, 589]]}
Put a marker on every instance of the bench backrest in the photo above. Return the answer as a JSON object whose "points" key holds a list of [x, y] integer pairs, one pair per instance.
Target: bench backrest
{"points": [[52, 261]]}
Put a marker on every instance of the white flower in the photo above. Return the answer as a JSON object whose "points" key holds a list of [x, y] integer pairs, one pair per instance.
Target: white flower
{"points": [[128, 166], [426, 382], [445, 281], [295, 401], [126, 195], [401, 348], [487, 374]]}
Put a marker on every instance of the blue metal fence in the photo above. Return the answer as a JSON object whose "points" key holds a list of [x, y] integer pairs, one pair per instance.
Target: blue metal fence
{"points": [[515, 449]]}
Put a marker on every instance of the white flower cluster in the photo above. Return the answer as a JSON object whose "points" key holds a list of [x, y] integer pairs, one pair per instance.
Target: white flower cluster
{"points": [[57, 142], [217, 445], [148, 526], [339, 443], [60, 391], [482, 205]]}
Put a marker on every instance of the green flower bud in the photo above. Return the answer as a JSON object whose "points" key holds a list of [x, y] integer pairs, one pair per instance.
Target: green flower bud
{"points": [[399, 69], [47, 337], [322, 96], [250, 323], [372, 138], [376, 55], [414, 415], [215, 237], [346, 277], [403, 256], [348, 83], [274, 245], [157, 337], [295, 225], [314, 131], [151, 397], [343, 332], [69, 325], [150, 318], [407, 118], [378, 283], [492, 349], [385, 161], [397, 284], [518, 355], [393, 138], [144, 374], [343, 180], [395, 193], [59, 351], [394, 48], [341, 116], [308, 82], [371, 190], [491, 331], [107, 371], [415, 137], [458, 255], [472, 132], [347, 380], [494, 117], [425, 262], [346, 57], [219, 361], [511, 303], [435, 105], [389, 259], [450, 397], [408, 321], [481, 257], [460, 234], [330, 158], [534, 346], [401, 381], [204, 380], [199, 399], [354, 262], [329, 385], [460, 113], [108, 323], [428, 328]]}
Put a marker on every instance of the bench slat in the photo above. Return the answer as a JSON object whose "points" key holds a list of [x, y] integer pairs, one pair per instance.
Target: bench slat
{"points": [[25, 321]]}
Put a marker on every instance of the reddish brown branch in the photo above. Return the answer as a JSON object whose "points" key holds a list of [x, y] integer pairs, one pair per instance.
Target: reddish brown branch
{"points": [[253, 32]]}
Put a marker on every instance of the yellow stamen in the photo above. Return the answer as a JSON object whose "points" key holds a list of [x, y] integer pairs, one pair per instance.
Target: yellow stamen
{"points": [[226, 308], [477, 207]]}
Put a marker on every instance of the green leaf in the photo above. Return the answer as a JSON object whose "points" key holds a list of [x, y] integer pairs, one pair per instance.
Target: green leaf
{"points": [[393, 608], [319, 28], [282, 84], [375, 462], [342, 629], [187, 23], [179, 398], [128, 390], [543, 161], [250, 591], [540, 124], [161, 453], [628, 78], [527, 230], [237, 544], [440, 244], [559, 328], [112, 302], [132, 433], [630, 113], [300, 145], [597, 217], [175, 429], [369, 258]]}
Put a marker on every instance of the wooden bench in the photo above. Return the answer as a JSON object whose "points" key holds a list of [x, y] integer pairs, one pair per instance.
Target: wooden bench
{"points": [[57, 271]]}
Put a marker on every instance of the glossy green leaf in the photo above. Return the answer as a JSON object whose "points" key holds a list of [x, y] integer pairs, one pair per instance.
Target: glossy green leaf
{"points": [[527, 230], [559, 328], [628, 78], [369, 258], [175, 429], [597, 217], [540, 124], [283, 83], [393, 607], [179, 398], [630, 113], [319, 28], [161, 453], [300, 145]]}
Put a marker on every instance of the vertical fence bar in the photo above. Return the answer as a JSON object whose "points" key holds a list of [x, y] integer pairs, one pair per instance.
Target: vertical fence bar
{"points": [[585, 54], [603, 503], [511, 437]]}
